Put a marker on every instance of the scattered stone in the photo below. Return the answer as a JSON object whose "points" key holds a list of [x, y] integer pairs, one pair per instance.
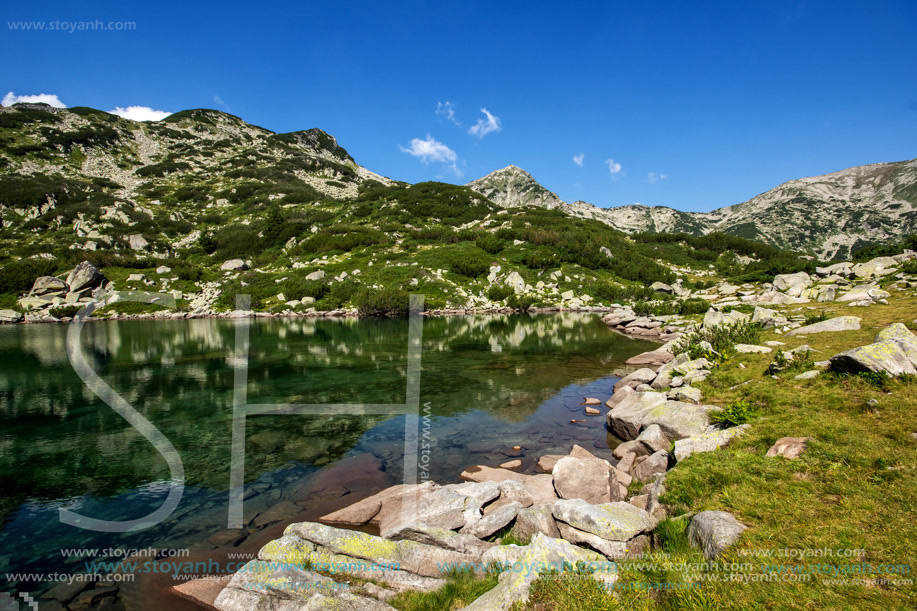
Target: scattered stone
{"points": [[591, 411], [590, 401], [234, 265], [714, 531], [706, 442], [752, 349], [512, 464], [317, 275], [808, 375], [789, 447]]}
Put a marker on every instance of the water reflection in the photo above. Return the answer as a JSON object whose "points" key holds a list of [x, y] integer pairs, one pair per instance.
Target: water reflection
{"points": [[489, 382]]}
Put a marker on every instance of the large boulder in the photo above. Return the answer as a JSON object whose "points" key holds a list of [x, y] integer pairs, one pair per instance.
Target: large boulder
{"points": [[10, 316], [652, 358], [713, 532], [652, 466], [592, 479], [880, 266], [48, 285], [714, 317], [792, 284], [84, 276], [533, 520], [894, 352]]}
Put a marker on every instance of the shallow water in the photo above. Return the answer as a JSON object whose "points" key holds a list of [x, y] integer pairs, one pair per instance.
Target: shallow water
{"points": [[487, 383]]}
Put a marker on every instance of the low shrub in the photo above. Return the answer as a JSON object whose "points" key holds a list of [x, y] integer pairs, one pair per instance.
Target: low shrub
{"points": [[499, 292], [385, 302], [736, 413]]}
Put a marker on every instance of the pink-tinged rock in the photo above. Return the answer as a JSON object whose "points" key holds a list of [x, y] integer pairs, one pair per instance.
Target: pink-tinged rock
{"points": [[592, 480], [789, 447], [652, 358], [202, 591]]}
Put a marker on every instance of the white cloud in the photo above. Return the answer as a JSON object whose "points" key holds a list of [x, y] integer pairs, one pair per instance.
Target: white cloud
{"points": [[490, 123], [140, 113], [430, 150], [42, 98], [613, 167], [447, 109], [219, 102], [578, 159], [653, 177]]}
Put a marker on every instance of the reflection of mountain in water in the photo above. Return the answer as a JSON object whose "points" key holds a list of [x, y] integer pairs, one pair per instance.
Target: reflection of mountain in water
{"points": [[59, 441]]}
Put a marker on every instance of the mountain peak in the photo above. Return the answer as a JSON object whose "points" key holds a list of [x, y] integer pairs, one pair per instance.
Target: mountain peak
{"points": [[513, 187]]}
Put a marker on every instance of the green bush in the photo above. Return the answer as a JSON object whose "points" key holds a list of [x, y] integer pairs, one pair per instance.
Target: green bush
{"points": [[499, 292], [19, 276], [736, 413], [520, 302], [385, 302], [297, 288], [811, 319], [490, 244], [65, 311], [722, 338], [695, 305]]}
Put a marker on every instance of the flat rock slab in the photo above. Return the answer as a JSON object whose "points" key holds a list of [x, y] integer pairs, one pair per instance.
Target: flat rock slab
{"points": [[202, 591], [752, 349], [264, 586], [676, 419], [842, 323], [652, 358], [617, 521], [714, 531]]}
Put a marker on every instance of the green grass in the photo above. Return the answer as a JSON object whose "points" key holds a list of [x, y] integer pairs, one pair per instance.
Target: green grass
{"points": [[461, 589]]}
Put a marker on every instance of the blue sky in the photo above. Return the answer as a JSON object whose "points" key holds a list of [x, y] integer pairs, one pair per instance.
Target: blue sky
{"points": [[690, 105]]}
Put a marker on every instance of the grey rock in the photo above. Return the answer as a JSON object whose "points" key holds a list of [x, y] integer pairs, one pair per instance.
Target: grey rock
{"points": [[10, 316], [654, 439], [789, 447], [47, 285], [492, 522], [634, 379], [706, 442], [752, 349], [513, 585], [316, 275], [686, 394], [535, 519], [894, 352], [713, 532], [654, 464], [676, 419], [234, 265], [85, 275]]}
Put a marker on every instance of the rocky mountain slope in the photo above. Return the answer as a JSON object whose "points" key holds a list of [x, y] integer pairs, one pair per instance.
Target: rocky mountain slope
{"points": [[827, 216]]}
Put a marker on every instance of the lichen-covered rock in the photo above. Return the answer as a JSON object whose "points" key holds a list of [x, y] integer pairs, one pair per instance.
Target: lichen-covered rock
{"points": [[792, 283], [535, 519], [894, 352], [410, 556], [267, 586], [10, 316], [714, 531], [619, 521]]}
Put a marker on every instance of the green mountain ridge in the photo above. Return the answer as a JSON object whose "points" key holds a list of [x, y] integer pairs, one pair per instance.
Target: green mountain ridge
{"points": [[207, 206]]}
